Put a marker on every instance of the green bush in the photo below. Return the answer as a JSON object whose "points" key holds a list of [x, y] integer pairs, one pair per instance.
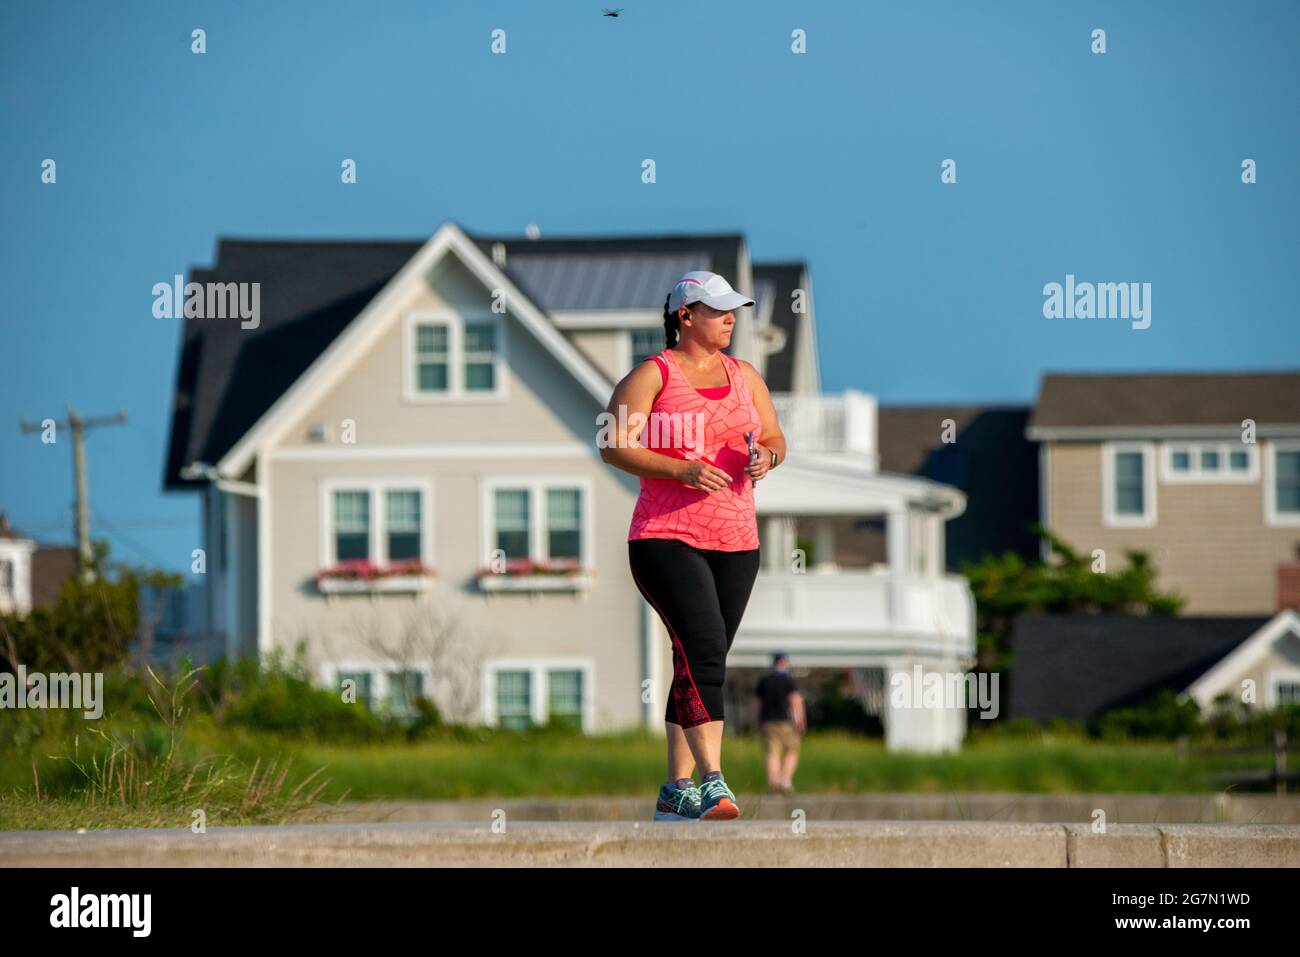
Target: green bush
{"points": [[281, 698], [1162, 716]]}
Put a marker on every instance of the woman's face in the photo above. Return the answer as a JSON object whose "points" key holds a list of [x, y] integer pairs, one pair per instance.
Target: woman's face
{"points": [[708, 326]]}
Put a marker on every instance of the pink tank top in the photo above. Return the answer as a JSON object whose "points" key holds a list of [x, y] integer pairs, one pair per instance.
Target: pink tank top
{"points": [[708, 424]]}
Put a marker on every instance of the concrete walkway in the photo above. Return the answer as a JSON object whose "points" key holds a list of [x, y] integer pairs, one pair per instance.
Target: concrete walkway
{"points": [[1218, 808], [745, 843]]}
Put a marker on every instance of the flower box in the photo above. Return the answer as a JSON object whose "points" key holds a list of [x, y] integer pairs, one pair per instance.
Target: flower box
{"points": [[362, 575], [526, 574]]}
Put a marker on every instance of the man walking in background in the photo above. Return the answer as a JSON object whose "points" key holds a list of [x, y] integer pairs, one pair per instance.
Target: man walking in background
{"points": [[782, 721]]}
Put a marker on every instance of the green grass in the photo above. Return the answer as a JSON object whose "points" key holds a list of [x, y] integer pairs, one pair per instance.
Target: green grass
{"points": [[250, 777], [830, 762]]}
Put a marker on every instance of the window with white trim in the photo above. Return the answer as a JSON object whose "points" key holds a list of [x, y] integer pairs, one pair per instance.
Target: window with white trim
{"points": [[1209, 462], [542, 519], [1287, 693], [1128, 485], [564, 696], [361, 685], [514, 699], [403, 686], [351, 525], [645, 343], [402, 523], [7, 578], [480, 356], [380, 521], [1282, 483], [433, 357], [454, 357], [523, 693]]}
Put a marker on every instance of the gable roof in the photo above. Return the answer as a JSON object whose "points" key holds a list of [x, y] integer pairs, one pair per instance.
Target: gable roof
{"points": [[1078, 666], [1219, 678], [228, 378], [1101, 403]]}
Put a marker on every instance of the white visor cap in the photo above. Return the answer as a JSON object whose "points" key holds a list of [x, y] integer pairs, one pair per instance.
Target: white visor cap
{"points": [[708, 288]]}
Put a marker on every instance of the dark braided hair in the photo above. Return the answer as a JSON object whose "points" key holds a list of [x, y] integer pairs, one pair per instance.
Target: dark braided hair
{"points": [[672, 325]]}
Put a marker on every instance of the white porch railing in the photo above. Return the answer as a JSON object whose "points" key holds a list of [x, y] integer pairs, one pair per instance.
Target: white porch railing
{"points": [[828, 423], [855, 618]]}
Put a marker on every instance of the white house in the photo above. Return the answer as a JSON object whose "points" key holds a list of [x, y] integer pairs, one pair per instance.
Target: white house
{"points": [[403, 415]]}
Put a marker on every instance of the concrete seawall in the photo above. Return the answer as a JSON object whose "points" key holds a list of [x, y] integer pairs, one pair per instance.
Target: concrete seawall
{"points": [[747, 843], [1218, 808]]}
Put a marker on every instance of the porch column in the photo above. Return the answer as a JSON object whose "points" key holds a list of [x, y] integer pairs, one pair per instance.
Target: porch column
{"points": [[897, 540], [824, 546], [898, 550], [914, 723], [778, 542]]}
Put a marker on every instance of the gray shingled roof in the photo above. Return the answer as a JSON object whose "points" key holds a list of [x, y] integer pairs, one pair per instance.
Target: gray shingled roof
{"points": [[1079, 666], [227, 377], [1074, 400]]}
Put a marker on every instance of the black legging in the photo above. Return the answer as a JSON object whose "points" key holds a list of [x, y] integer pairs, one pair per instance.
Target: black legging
{"points": [[701, 595]]}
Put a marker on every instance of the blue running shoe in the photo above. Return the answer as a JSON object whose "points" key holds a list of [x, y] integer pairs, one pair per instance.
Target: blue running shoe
{"points": [[678, 803], [717, 803]]}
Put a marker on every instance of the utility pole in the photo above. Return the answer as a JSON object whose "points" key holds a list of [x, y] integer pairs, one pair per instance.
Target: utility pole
{"points": [[78, 426]]}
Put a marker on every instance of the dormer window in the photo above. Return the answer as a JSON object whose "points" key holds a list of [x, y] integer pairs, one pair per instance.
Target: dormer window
{"points": [[453, 357]]}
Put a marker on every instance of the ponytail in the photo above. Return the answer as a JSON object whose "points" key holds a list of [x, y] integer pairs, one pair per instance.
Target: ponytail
{"points": [[672, 325]]}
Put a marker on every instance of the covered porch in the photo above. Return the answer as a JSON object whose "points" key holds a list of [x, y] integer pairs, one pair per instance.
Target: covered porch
{"points": [[853, 569]]}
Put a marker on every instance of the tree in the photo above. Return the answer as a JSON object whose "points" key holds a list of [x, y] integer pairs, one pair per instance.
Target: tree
{"points": [[1007, 586], [91, 624]]}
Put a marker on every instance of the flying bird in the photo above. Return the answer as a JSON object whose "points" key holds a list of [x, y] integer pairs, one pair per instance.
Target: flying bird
{"points": [[607, 12]]}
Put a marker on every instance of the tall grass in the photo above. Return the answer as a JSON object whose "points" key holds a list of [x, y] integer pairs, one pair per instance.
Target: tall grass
{"points": [[147, 774]]}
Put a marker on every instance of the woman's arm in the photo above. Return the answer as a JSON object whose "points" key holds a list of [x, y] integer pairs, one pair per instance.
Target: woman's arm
{"points": [[618, 437], [771, 436]]}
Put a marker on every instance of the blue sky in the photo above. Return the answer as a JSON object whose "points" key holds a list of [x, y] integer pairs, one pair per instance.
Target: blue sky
{"points": [[1116, 167]]}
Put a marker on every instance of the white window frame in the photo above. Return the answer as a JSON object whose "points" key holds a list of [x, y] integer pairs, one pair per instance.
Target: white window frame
{"points": [[456, 391], [1274, 677], [537, 513], [378, 670], [378, 515], [541, 692], [19, 553], [1194, 475], [1110, 519], [1272, 516], [625, 357]]}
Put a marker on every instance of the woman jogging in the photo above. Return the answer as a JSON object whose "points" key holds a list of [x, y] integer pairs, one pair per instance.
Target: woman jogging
{"points": [[693, 541]]}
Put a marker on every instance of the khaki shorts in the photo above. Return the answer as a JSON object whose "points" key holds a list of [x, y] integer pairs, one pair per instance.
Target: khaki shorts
{"points": [[779, 736]]}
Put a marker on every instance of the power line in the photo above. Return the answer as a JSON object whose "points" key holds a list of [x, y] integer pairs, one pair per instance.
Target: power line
{"points": [[135, 546]]}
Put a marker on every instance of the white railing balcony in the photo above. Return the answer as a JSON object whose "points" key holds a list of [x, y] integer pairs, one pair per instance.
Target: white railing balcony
{"points": [[856, 617], [843, 423]]}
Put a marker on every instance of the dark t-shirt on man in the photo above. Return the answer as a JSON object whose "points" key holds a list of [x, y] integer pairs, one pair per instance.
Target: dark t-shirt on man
{"points": [[773, 691]]}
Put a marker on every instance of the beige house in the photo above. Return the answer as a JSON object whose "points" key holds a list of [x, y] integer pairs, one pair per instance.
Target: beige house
{"points": [[398, 467], [1202, 471]]}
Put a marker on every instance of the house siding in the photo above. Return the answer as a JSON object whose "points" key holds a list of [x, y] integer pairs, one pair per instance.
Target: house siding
{"points": [[1209, 542], [602, 625]]}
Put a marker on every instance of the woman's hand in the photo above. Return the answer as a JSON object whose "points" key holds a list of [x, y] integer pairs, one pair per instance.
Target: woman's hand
{"points": [[702, 475], [761, 465]]}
